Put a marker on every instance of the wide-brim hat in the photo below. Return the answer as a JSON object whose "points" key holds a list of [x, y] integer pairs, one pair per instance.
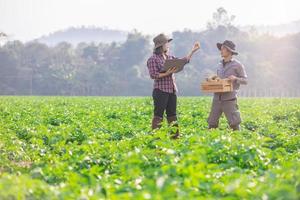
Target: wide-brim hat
{"points": [[229, 45], [160, 40]]}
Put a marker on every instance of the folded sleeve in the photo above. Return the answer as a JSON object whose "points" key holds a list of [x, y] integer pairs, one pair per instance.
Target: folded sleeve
{"points": [[153, 68], [186, 58], [241, 74]]}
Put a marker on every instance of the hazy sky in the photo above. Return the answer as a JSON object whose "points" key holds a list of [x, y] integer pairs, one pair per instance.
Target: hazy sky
{"points": [[28, 19]]}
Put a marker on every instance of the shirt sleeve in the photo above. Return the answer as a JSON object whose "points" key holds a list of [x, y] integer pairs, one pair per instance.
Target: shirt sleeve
{"points": [[174, 57], [242, 76], [153, 68]]}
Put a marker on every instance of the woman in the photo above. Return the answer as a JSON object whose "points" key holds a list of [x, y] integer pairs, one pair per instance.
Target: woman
{"points": [[164, 92]]}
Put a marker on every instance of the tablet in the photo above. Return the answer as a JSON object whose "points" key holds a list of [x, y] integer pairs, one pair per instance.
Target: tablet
{"points": [[178, 63]]}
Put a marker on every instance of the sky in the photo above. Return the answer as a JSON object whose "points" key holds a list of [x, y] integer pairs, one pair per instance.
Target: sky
{"points": [[28, 19]]}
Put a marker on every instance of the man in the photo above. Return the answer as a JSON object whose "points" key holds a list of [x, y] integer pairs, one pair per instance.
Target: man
{"points": [[164, 91], [227, 102]]}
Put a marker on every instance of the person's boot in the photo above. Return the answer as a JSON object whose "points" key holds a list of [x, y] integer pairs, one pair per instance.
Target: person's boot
{"points": [[156, 122], [172, 121], [235, 128], [212, 126]]}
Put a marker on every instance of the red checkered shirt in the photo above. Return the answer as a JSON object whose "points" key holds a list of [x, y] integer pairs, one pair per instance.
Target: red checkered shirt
{"points": [[155, 65]]}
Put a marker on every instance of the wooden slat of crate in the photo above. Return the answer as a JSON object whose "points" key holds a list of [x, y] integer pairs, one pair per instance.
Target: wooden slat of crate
{"points": [[223, 85]]}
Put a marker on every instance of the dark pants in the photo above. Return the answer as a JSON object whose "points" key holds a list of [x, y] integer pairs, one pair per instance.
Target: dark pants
{"points": [[164, 101]]}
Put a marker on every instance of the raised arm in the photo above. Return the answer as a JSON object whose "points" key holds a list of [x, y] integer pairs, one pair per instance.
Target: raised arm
{"points": [[195, 48]]}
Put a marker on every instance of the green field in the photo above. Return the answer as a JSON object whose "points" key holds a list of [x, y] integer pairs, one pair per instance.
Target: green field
{"points": [[102, 148]]}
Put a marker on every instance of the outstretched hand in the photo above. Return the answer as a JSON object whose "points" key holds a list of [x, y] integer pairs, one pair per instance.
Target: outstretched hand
{"points": [[196, 47]]}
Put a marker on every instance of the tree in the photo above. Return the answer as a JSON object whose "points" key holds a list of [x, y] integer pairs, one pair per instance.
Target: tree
{"points": [[221, 18]]}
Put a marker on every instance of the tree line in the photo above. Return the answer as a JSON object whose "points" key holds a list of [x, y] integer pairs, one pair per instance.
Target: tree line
{"points": [[33, 68]]}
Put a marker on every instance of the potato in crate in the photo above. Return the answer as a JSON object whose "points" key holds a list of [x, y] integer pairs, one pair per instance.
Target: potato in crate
{"points": [[216, 84]]}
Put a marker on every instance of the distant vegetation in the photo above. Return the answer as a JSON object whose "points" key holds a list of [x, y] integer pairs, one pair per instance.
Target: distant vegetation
{"points": [[83, 34], [119, 68]]}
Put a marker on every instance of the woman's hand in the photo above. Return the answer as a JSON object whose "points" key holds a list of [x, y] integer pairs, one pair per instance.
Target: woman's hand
{"points": [[167, 73], [171, 71], [196, 47]]}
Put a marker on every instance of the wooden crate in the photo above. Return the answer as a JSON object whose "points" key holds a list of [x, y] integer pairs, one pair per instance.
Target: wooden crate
{"points": [[221, 85]]}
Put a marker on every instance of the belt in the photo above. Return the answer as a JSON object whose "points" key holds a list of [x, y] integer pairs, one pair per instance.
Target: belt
{"points": [[220, 99]]}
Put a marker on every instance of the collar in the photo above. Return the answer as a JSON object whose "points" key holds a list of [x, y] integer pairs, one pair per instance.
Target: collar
{"points": [[224, 63], [161, 56]]}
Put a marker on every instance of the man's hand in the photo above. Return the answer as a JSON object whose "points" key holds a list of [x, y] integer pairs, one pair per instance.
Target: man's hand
{"points": [[196, 47], [232, 77]]}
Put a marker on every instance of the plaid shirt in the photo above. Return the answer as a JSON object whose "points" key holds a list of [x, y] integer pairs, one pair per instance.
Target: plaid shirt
{"points": [[155, 65]]}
